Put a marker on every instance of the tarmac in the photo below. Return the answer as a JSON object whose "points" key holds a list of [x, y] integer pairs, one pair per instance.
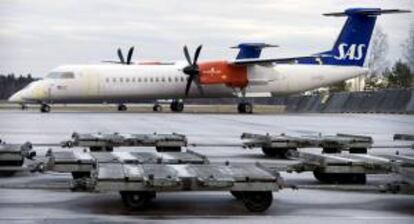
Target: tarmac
{"points": [[20, 204]]}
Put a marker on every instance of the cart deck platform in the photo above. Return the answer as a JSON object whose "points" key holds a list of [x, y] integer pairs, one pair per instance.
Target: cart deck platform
{"points": [[106, 142], [84, 161], [352, 168], [139, 175], [279, 145]]}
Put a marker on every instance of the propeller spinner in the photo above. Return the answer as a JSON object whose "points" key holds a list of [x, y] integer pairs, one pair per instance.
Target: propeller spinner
{"points": [[192, 70]]}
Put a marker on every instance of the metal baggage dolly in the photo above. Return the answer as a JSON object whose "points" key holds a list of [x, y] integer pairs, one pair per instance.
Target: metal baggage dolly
{"points": [[106, 142], [280, 145], [347, 168], [138, 176]]}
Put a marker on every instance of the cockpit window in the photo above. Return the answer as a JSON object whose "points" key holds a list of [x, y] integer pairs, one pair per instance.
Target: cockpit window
{"points": [[61, 75]]}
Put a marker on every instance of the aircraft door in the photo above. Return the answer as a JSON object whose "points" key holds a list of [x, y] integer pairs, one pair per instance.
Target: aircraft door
{"points": [[90, 83]]}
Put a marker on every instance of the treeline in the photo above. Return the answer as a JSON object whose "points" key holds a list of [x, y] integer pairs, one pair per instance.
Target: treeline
{"points": [[398, 76], [11, 83]]}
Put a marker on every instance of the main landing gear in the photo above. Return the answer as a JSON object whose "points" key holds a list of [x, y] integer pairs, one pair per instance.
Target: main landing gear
{"points": [[44, 108], [177, 106], [245, 108], [122, 107], [157, 108]]}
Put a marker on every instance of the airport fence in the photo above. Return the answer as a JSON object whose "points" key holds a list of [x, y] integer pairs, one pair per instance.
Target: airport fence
{"points": [[382, 101]]}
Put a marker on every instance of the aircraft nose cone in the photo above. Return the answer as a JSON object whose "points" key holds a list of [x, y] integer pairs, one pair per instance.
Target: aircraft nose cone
{"points": [[16, 98]]}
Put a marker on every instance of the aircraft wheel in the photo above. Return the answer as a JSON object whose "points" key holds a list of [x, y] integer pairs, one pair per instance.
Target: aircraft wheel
{"points": [[157, 108], [257, 201], [44, 108], [177, 106], [136, 200], [122, 107], [245, 108]]}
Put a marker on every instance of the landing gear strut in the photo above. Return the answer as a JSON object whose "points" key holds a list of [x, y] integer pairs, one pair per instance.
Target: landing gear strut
{"points": [[122, 107], [23, 106], [177, 106], [44, 108], [245, 108]]}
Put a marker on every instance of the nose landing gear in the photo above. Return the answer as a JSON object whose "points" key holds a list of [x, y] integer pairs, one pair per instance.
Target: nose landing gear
{"points": [[122, 107], [44, 108]]}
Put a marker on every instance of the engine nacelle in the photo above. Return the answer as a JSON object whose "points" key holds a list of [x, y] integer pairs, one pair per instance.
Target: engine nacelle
{"points": [[221, 72]]}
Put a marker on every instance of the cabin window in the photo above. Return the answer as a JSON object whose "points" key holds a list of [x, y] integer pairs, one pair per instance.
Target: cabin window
{"points": [[61, 75], [156, 79], [162, 79], [107, 79], [139, 79], [133, 79], [126, 79], [169, 79], [113, 79], [182, 79], [176, 79], [145, 79], [121, 79], [151, 79]]}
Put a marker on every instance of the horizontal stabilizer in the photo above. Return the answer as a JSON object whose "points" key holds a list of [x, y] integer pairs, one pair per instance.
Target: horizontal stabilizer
{"points": [[367, 12], [251, 50]]}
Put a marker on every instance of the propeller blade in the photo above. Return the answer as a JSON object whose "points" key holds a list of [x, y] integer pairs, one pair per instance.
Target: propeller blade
{"points": [[121, 57], [199, 87], [129, 57], [196, 54], [187, 55], [187, 87]]}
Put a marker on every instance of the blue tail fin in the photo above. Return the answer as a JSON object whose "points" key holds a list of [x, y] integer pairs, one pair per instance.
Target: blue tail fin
{"points": [[351, 47], [251, 50]]}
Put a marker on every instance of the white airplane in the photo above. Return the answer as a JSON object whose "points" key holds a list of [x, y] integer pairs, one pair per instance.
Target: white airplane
{"points": [[126, 82]]}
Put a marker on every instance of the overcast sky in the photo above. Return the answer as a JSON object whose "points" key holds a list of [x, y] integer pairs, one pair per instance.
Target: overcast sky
{"points": [[36, 36]]}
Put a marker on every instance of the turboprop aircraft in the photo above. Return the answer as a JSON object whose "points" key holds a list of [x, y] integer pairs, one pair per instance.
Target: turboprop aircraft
{"points": [[125, 82]]}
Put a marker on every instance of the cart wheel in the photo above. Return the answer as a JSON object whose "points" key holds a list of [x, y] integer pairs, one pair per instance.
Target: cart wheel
{"points": [[136, 200], [269, 152], [330, 150], [79, 175], [277, 152], [257, 201], [168, 148], [237, 194], [358, 150]]}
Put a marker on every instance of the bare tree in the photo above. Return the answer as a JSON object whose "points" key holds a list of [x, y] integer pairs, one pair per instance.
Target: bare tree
{"points": [[377, 59], [408, 49], [377, 62]]}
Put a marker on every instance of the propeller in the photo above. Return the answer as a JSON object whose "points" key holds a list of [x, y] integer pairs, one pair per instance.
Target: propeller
{"points": [[192, 70], [129, 56]]}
